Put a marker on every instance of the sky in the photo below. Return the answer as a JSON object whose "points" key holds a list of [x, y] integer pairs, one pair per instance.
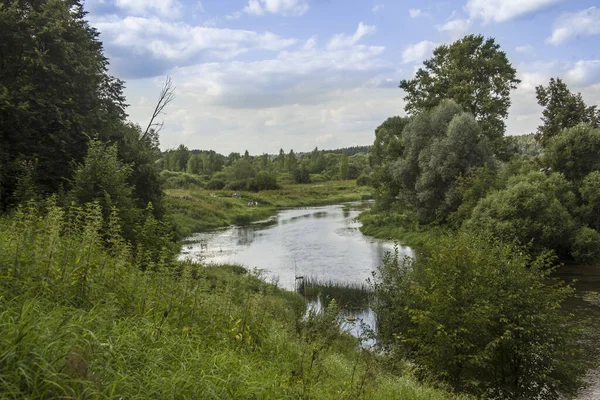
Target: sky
{"points": [[260, 75]]}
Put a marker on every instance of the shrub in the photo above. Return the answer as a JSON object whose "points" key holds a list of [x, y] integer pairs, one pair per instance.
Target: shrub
{"points": [[301, 175], [586, 246], [363, 180], [482, 316], [263, 181], [215, 184], [237, 185]]}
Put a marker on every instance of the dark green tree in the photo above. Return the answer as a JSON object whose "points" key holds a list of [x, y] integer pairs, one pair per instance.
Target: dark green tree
{"points": [[440, 145], [476, 75], [344, 166], [54, 86], [574, 152], [562, 109]]}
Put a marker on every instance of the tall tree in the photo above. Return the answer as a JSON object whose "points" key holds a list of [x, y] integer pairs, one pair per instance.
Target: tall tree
{"points": [[54, 86], [562, 109], [476, 75]]}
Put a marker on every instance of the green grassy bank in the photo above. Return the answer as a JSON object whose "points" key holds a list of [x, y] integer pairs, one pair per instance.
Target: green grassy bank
{"points": [[83, 316], [194, 210]]}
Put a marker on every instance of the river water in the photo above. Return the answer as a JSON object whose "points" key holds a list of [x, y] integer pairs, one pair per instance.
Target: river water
{"points": [[326, 243]]}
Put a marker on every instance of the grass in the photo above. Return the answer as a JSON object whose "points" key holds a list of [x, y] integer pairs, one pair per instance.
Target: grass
{"points": [[402, 227], [347, 295], [83, 316], [196, 210]]}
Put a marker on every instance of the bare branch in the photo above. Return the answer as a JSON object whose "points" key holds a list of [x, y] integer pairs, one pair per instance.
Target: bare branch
{"points": [[166, 96]]}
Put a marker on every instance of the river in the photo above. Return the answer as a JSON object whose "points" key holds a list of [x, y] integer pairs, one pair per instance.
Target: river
{"points": [[326, 243]]}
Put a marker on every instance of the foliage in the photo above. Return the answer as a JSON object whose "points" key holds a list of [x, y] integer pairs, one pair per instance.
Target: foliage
{"points": [[574, 152], [54, 86], [482, 316], [533, 209], [439, 146], [102, 178], [562, 110], [215, 184], [263, 181], [344, 167], [82, 319], [476, 75], [301, 175], [473, 188]]}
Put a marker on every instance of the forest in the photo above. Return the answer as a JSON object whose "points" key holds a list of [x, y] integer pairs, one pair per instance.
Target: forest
{"points": [[95, 303]]}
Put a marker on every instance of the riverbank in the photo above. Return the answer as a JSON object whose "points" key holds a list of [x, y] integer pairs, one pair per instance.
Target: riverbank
{"points": [[197, 210], [84, 321]]}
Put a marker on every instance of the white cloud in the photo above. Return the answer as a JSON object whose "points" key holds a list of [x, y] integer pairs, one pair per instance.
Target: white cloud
{"points": [[524, 114], [415, 12], [151, 41], [418, 51], [456, 28], [199, 6], [528, 49], [342, 40], [165, 8], [581, 23], [505, 10], [377, 8], [584, 73], [283, 7]]}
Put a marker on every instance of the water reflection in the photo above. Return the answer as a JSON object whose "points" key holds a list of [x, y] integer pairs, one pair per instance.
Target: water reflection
{"points": [[322, 242]]}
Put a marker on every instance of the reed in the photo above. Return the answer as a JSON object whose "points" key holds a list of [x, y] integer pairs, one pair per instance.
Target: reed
{"points": [[346, 295]]}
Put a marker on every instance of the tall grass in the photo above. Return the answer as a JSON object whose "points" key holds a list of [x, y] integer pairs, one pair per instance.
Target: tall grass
{"points": [[346, 295], [82, 316]]}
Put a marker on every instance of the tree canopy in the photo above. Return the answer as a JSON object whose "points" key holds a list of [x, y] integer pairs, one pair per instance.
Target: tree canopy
{"points": [[54, 87], [562, 109], [475, 74]]}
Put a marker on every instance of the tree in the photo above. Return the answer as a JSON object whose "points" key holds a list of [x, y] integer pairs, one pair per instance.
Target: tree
{"points": [[574, 152], [195, 164], [440, 145], [54, 86], [166, 96], [102, 178], [482, 316], [281, 160], [535, 209], [344, 168], [476, 75], [291, 162], [562, 109]]}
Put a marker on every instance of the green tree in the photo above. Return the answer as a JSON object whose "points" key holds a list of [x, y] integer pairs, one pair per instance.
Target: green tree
{"points": [[440, 145], [534, 209], [54, 86], [195, 164], [574, 152], [281, 160], [476, 75], [562, 109], [482, 316], [291, 162], [102, 178], [344, 167]]}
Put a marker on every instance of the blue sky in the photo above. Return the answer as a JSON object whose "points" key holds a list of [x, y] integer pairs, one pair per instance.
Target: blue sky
{"points": [[260, 75]]}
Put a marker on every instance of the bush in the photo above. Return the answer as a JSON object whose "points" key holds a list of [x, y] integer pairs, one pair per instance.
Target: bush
{"points": [[263, 181], [317, 178], [363, 180], [482, 316], [301, 175], [586, 246], [237, 185], [182, 180], [215, 184]]}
